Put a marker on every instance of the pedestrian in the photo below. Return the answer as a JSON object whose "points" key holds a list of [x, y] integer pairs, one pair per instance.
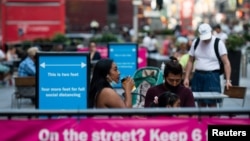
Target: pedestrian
{"points": [[206, 76], [146, 42], [172, 82], [27, 67], [102, 94], [2, 55], [167, 46], [167, 99], [220, 34], [182, 50], [154, 45], [11, 54], [94, 54]]}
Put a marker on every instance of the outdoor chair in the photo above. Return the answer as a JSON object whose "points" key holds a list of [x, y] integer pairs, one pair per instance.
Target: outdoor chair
{"points": [[236, 92], [25, 88]]}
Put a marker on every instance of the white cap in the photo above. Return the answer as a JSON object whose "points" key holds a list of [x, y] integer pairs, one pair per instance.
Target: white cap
{"points": [[205, 31]]}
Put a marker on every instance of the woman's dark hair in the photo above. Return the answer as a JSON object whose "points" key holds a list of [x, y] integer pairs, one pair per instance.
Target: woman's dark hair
{"points": [[99, 80], [173, 66], [166, 98]]}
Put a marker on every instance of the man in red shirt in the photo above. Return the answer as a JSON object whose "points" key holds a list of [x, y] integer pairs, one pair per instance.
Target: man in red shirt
{"points": [[173, 82]]}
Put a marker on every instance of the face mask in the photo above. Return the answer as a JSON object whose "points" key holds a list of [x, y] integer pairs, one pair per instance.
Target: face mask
{"points": [[171, 88], [112, 83]]}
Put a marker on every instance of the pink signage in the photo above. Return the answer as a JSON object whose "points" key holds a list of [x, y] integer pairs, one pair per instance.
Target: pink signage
{"points": [[102, 49], [142, 54], [142, 57], [112, 129]]}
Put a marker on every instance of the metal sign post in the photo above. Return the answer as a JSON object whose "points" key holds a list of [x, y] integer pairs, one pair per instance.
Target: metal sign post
{"points": [[136, 3]]}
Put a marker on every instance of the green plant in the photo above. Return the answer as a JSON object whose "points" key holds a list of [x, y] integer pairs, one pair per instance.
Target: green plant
{"points": [[105, 38], [234, 42], [167, 32], [26, 44], [41, 40], [59, 38], [246, 36]]}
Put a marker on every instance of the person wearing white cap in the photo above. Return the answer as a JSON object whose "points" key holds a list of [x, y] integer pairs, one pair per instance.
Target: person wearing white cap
{"points": [[206, 76]]}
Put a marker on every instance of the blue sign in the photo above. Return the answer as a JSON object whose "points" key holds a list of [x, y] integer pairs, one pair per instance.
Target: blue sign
{"points": [[125, 57], [63, 80]]}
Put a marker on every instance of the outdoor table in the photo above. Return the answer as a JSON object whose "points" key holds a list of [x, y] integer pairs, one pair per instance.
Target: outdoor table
{"points": [[211, 96]]}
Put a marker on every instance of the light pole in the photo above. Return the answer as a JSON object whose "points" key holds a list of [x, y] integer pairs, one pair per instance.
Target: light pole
{"points": [[135, 3]]}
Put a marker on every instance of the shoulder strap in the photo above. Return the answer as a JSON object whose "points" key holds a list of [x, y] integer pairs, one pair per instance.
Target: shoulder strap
{"points": [[216, 48], [196, 43]]}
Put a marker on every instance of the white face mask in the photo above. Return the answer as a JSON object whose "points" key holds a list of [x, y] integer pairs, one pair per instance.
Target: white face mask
{"points": [[112, 83]]}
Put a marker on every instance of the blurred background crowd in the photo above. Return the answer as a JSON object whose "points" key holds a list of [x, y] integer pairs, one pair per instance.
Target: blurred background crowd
{"points": [[165, 27]]}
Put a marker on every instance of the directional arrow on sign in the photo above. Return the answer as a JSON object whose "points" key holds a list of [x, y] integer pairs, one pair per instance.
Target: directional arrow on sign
{"points": [[140, 60], [44, 65]]}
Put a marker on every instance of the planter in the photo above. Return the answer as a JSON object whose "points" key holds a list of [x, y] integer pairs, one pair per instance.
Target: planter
{"points": [[234, 57]]}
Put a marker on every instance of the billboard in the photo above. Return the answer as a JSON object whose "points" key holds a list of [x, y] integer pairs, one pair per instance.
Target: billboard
{"points": [[125, 56], [63, 80], [27, 20]]}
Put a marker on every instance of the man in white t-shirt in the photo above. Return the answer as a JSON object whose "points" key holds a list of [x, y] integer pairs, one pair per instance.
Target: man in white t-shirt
{"points": [[219, 33], [146, 42], [206, 77], [149, 42]]}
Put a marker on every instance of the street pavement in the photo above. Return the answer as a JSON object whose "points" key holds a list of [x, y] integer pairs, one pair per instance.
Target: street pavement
{"points": [[6, 96]]}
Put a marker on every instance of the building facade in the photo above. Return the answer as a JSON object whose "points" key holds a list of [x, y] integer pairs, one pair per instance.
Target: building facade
{"points": [[108, 13]]}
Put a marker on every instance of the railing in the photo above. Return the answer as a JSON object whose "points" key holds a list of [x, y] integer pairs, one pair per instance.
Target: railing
{"points": [[128, 112]]}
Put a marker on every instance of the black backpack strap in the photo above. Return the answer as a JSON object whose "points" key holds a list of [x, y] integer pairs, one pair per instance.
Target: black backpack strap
{"points": [[196, 43], [216, 49]]}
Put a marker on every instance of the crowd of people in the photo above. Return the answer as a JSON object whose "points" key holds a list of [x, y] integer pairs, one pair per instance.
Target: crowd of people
{"points": [[202, 62], [7, 60], [186, 59]]}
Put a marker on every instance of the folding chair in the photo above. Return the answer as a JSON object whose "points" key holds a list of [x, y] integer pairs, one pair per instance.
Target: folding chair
{"points": [[25, 87], [236, 92]]}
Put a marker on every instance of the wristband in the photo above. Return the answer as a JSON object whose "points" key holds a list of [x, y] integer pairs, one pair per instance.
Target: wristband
{"points": [[228, 81]]}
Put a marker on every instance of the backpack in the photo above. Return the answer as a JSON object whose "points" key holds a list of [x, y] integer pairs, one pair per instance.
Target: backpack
{"points": [[216, 49]]}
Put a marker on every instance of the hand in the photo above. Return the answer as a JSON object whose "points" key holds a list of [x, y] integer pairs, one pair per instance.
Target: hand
{"points": [[228, 84], [186, 83], [128, 84]]}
